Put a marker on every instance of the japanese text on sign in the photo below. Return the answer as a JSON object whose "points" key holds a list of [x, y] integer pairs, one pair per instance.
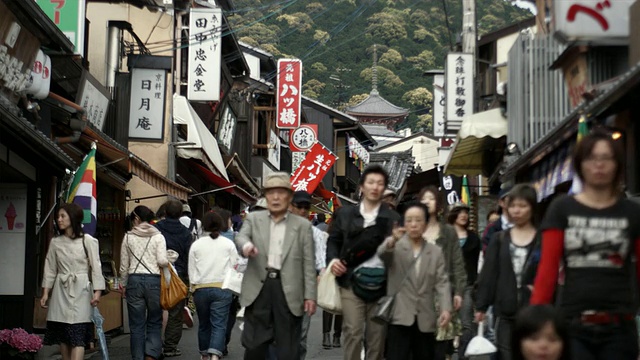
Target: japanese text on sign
{"points": [[459, 102], [289, 93], [313, 168], [205, 53], [146, 119]]}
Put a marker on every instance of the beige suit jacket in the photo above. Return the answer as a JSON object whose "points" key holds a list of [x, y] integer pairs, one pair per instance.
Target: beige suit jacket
{"points": [[298, 273], [415, 296]]}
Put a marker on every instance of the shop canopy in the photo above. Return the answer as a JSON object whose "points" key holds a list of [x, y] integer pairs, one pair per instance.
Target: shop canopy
{"points": [[478, 134], [222, 184], [200, 144]]}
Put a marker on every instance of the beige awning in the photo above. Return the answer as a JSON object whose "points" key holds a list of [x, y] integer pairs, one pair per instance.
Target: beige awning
{"points": [[200, 144], [477, 134]]}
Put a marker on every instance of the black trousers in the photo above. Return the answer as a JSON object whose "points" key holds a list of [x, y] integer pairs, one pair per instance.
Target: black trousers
{"points": [[329, 318], [407, 342], [231, 322], [269, 320]]}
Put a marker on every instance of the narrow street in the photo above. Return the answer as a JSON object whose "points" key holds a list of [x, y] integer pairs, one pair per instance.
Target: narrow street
{"points": [[119, 346]]}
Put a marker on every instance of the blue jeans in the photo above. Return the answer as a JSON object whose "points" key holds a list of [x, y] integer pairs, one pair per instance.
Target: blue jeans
{"points": [[145, 315], [604, 342], [212, 305]]}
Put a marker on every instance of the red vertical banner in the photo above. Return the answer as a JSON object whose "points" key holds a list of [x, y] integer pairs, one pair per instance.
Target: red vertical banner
{"points": [[289, 93], [313, 168]]}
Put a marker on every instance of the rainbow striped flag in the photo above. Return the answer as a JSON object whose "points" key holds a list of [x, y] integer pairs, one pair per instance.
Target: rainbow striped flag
{"points": [[465, 191], [84, 193]]}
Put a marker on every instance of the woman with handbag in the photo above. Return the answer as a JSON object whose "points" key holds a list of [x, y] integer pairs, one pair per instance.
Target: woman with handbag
{"points": [[210, 258], [72, 270], [509, 268], [416, 276], [445, 236], [143, 254]]}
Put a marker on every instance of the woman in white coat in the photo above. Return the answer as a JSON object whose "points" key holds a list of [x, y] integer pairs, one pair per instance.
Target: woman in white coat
{"points": [[75, 290]]}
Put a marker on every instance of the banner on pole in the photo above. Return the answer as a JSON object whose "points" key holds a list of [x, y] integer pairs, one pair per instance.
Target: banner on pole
{"points": [[313, 168]]}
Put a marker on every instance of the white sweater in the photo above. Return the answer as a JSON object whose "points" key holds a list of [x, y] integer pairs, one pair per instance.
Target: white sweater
{"points": [[210, 259], [133, 248]]}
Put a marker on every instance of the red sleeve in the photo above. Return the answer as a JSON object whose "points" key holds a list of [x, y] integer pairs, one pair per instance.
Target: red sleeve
{"points": [[638, 261], [547, 277]]}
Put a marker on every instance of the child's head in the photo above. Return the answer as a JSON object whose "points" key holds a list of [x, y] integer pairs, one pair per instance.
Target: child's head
{"points": [[540, 333]]}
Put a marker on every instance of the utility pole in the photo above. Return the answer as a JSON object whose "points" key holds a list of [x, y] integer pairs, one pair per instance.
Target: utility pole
{"points": [[340, 86], [469, 29]]}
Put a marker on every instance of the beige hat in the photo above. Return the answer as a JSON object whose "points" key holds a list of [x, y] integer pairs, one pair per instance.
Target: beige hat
{"points": [[186, 208], [277, 180]]}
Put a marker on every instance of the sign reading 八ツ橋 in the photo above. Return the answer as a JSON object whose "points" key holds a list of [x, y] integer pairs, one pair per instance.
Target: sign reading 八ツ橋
{"points": [[459, 88], [289, 93], [146, 111], [205, 53]]}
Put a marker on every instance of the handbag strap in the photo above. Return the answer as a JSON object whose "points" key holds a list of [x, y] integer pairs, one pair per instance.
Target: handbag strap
{"points": [[139, 258], [86, 253], [413, 263]]}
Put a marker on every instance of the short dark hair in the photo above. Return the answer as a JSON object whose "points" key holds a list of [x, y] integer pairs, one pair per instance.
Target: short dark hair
{"points": [[491, 213], [213, 223], [374, 169], [585, 147], [417, 204], [141, 212], [224, 214], [322, 218], [532, 319], [453, 215], [76, 215], [173, 208], [527, 193]]}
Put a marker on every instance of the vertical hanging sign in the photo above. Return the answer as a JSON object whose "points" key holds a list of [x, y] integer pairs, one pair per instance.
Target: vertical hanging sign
{"points": [[289, 93], [69, 17], [146, 112], [313, 168], [205, 53], [438, 106], [459, 85]]}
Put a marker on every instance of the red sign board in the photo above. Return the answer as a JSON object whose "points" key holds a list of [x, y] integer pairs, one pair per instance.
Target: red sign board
{"points": [[313, 168], [289, 95], [303, 138]]}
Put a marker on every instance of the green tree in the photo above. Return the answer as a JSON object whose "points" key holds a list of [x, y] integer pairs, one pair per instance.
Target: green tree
{"points": [[419, 97], [356, 99], [262, 33], [299, 21], [314, 86], [425, 121], [314, 7], [386, 27], [424, 61], [318, 66], [321, 36], [392, 58], [385, 76]]}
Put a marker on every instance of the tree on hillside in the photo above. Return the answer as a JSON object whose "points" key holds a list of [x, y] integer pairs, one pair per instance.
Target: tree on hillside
{"points": [[314, 7], [299, 21], [262, 33], [313, 88], [385, 76], [424, 61], [419, 97], [391, 58], [356, 99], [318, 66], [425, 122], [386, 27], [321, 36]]}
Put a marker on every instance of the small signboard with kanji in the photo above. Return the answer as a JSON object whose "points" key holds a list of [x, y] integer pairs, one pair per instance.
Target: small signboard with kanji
{"points": [[313, 168], [289, 93]]}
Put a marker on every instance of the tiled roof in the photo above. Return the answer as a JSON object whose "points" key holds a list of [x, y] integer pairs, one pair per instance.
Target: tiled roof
{"points": [[380, 130], [375, 104], [399, 166]]}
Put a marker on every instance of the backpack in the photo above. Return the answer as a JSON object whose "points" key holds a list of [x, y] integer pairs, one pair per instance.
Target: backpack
{"points": [[193, 229]]}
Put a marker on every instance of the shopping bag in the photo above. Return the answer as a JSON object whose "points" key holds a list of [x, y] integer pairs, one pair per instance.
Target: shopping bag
{"points": [[329, 292], [172, 289], [479, 345], [233, 281]]}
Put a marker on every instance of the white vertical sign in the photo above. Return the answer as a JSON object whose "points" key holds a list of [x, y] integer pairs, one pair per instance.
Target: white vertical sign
{"points": [[296, 159], [227, 129], [205, 54], [274, 150], [13, 237], [459, 88], [146, 111], [438, 106], [94, 100]]}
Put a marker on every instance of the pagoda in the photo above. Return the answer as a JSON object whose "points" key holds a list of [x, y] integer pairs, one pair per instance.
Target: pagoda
{"points": [[375, 110]]}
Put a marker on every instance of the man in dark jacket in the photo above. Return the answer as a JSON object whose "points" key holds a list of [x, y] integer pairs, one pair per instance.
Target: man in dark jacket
{"points": [[178, 239], [355, 236], [501, 224]]}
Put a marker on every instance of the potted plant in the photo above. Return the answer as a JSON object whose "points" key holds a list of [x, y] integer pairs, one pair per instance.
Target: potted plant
{"points": [[18, 344]]}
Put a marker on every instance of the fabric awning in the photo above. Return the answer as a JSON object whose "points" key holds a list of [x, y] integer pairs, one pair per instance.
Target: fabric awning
{"points": [[240, 173], [157, 180], [200, 144], [224, 184], [477, 134]]}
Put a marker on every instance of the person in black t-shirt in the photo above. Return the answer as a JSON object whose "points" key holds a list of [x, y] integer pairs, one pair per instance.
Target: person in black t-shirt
{"points": [[594, 234]]}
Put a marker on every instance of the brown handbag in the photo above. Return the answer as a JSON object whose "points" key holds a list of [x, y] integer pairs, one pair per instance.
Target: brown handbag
{"points": [[172, 289]]}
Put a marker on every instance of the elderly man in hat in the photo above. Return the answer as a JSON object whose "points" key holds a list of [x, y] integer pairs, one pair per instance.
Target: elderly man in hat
{"points": [[279, 285], [301, 206]]}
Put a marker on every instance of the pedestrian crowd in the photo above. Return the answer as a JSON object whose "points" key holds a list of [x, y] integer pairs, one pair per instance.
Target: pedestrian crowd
{"points": [[411, 285]]}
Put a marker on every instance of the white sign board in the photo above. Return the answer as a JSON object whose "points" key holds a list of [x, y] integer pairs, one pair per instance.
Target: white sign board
{"points": [[13, 237], [274, 150], [592, 19], [146, 114], [459, 88], [205, 53], [94, 99], [296, 159], [227, 128], [439, 120]]}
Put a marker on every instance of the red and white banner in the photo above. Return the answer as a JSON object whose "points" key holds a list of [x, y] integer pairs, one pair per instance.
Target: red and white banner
{"points": [[289, 93], [313, 168]]}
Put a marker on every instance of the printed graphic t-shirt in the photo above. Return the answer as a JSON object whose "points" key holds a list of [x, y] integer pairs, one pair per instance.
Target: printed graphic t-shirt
{"points": [[598, 246]]}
